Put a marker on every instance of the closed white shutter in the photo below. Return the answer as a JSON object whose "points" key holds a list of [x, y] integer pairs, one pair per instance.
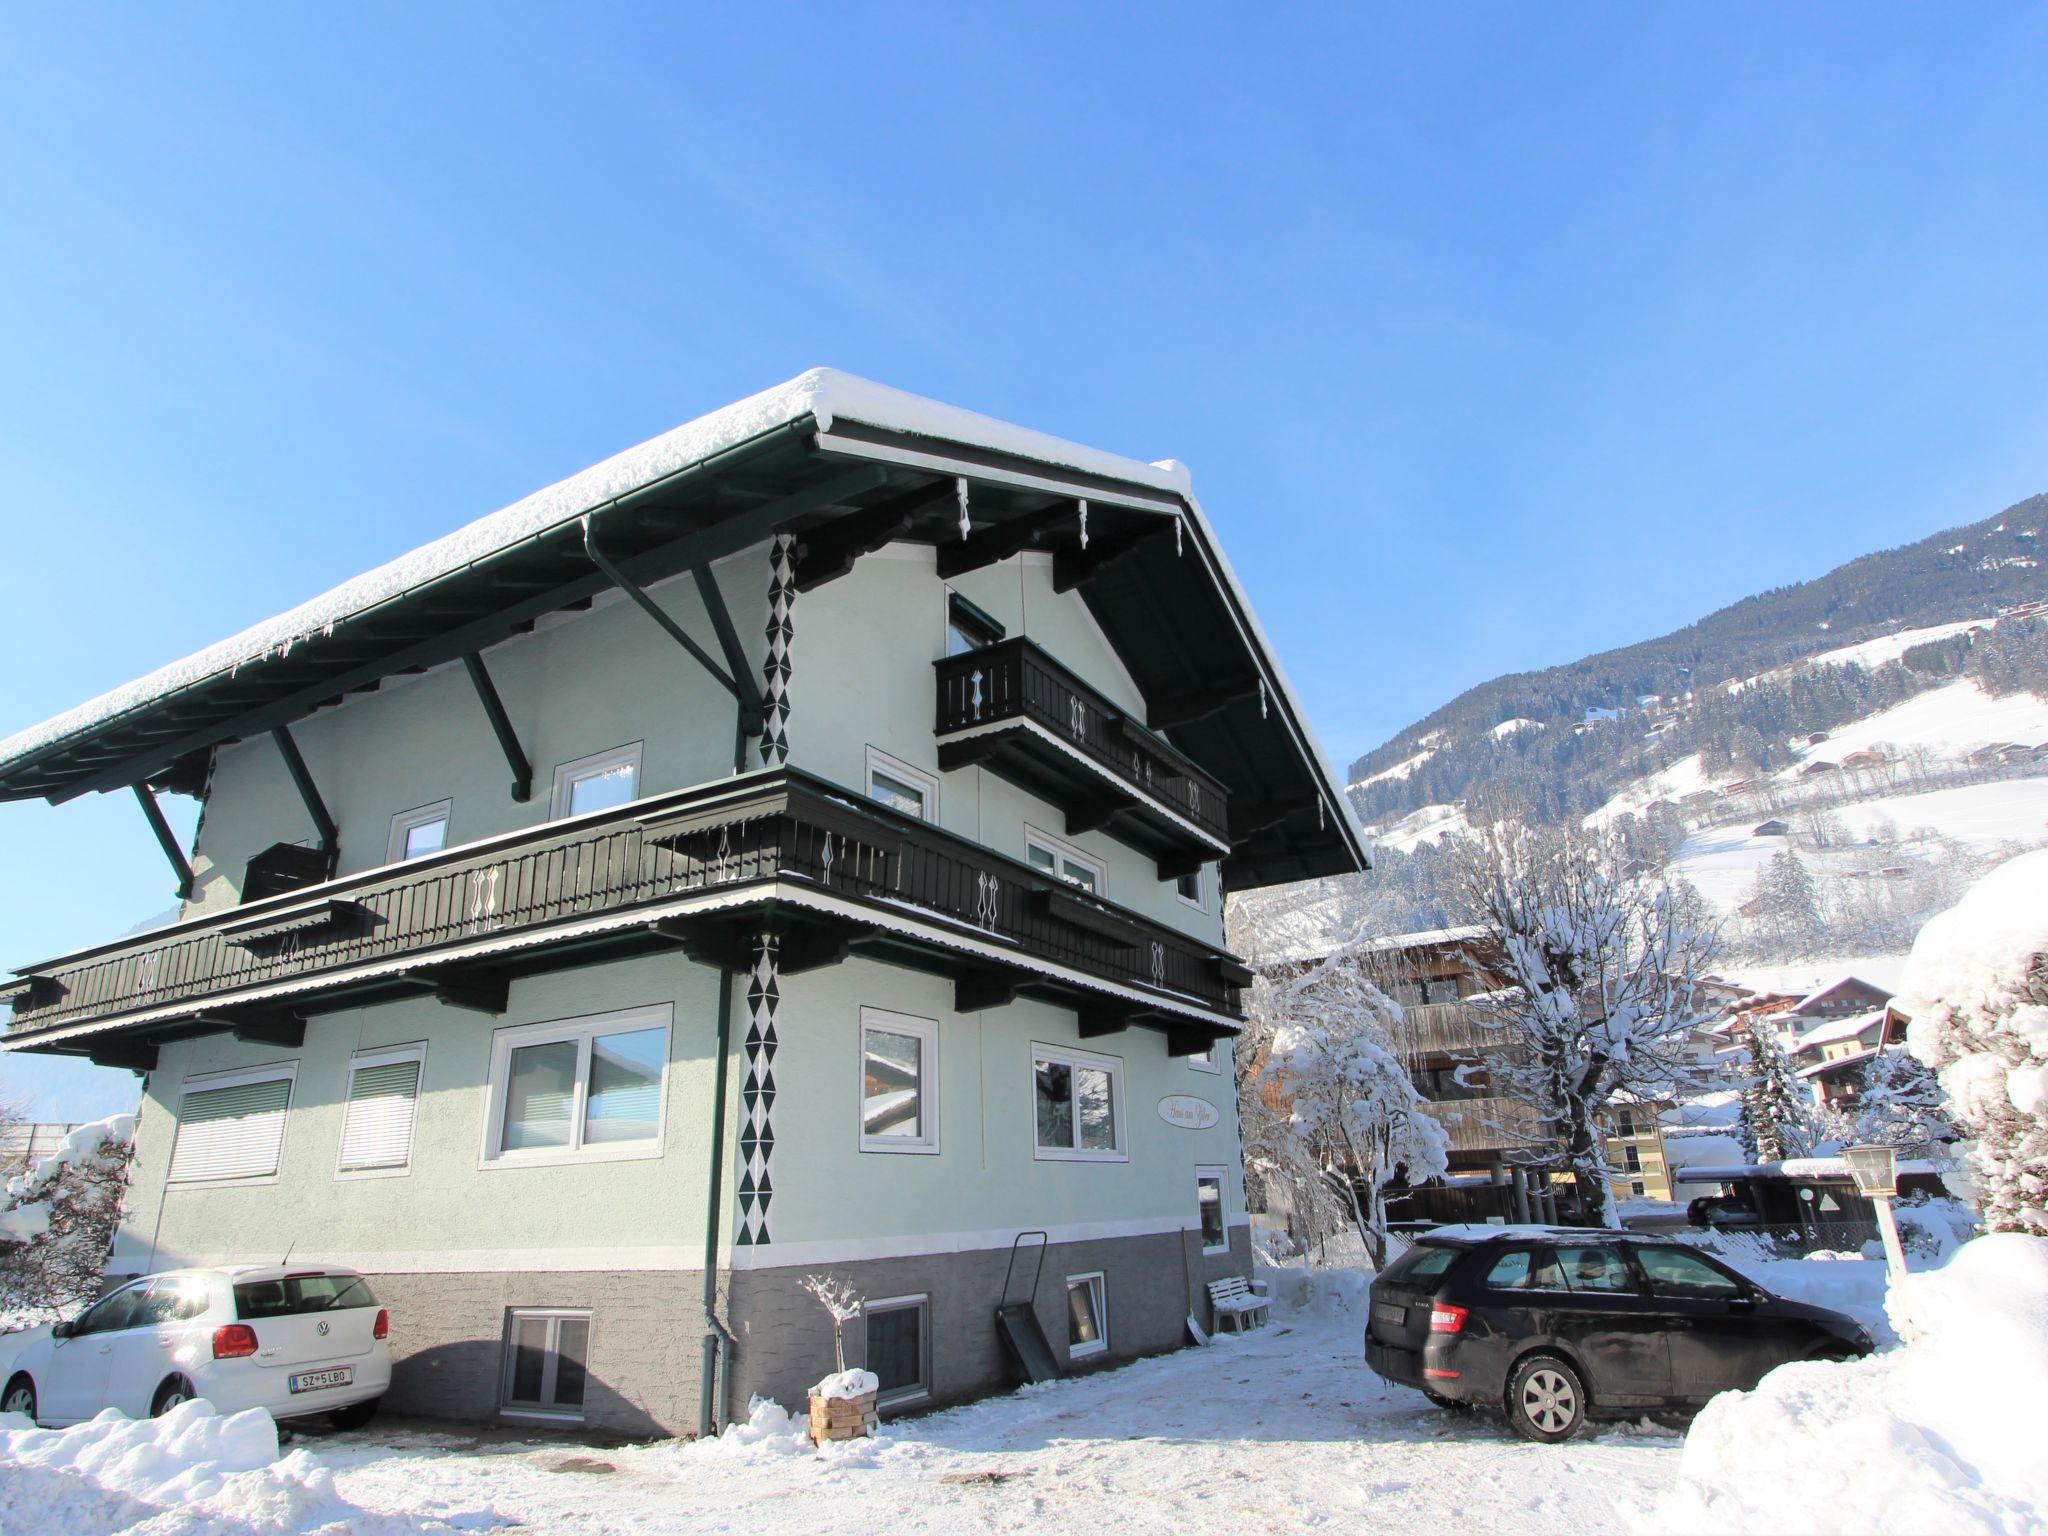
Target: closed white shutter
{"points": [[234, 1131], [376, 1130]]}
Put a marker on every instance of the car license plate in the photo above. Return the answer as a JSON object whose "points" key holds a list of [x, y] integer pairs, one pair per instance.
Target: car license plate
{"points": [[1386, 1312], [319, 1381]]}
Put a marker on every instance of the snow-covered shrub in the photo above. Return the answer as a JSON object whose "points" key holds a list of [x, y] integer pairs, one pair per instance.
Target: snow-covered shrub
{"points": [[57, 1220], [1976, 990], [1902, 1105]]}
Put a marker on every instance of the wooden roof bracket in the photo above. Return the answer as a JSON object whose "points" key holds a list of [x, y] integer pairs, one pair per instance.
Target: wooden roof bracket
{"points": [[180, 866], [302, 780], [501, 726]]}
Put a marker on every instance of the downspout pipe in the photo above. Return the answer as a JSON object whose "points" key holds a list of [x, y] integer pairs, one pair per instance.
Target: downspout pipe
{"points": [[718, 1339]]}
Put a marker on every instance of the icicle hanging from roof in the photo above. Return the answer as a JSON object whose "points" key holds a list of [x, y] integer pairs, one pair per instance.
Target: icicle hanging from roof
{"points": [[960, 490], [1084, 522], [1262, 698]]}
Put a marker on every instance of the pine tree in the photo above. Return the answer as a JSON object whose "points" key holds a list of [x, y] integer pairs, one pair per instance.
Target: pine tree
{"points": [[1774, 1107]]}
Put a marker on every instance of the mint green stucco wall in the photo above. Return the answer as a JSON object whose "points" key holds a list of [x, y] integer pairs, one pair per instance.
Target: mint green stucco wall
{"points": [[578, 684]]}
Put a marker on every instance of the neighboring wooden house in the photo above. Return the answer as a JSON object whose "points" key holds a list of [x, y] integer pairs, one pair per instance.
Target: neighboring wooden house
{"points": [[798, 843], [1770, 829]]}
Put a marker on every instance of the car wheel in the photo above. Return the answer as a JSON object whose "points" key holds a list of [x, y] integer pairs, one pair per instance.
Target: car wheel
{"points": [[1546, 1400], [168, 1396], [20, 1397], [355, 1415], [1448, 1404]]}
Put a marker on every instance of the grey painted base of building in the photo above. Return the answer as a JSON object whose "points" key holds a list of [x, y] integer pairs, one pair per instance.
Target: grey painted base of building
{"points": [[449, 1330]]}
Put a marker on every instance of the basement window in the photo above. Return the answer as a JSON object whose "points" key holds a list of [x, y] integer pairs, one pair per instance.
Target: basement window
{"points": [[547, 1352], [1087, 1316], [899, 1339]]}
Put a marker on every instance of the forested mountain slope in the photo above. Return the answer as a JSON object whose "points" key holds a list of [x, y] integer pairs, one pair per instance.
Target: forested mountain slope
{"points": [[1562, 741]]}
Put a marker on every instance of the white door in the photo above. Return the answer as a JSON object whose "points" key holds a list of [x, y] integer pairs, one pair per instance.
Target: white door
{"points": [[141, 1351], [77, 1388]]}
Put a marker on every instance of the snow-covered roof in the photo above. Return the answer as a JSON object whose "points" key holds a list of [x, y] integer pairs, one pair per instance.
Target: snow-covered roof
{"points": [[1822, 1068], [1799, 1168], [824, 396], [1429, 938], [1831, 1030]]}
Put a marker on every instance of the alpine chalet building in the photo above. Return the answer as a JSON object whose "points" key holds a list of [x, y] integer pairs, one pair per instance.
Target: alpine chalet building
{"points": [[797, 844]]}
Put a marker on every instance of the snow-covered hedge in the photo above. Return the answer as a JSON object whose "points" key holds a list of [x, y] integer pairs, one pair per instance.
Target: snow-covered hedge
{"points": [[1976, 990], [1941, 1435], [57, 1219]]}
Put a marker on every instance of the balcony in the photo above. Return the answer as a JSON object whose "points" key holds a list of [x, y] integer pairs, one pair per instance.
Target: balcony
{"points": [[1485, 1124], [1014, 710], [1432, 1029], [705, 869]]}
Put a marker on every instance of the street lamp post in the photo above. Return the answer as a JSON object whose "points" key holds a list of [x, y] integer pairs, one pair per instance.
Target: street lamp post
{"points": [[1876, 1172]]}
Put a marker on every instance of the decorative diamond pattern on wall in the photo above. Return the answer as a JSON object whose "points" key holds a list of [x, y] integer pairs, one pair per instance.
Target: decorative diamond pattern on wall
{"points": [[757, 1097], [775, 669]]}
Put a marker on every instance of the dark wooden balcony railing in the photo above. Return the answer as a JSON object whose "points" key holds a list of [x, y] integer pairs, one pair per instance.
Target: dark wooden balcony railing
{"points": [[796, 839], [1015, 681]]}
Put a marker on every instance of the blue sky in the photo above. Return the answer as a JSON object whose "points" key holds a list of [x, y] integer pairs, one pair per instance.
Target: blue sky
{"points": [[1494, 336]]}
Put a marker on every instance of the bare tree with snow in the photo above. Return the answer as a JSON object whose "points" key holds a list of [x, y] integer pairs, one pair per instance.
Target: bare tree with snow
{"points": [[838, 1297], [1328, 1111], [57, 1220], [1600, 983], [1976, 990]]}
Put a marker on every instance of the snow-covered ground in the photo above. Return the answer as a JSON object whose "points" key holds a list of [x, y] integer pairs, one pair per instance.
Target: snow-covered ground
{"points": [[1284, 1430], [1429, 824], [1950, 721]]}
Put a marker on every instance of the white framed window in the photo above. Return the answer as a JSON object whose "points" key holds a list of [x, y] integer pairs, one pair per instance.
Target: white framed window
{"points": [[895, 783], [597, 782], [547, 1355], [899, 1082], [968, 628], [231, 1126], [377, 1117], [899, 1348], [1210, 1060], [1078, 1105], [1063, 861], [1211, 1212], [1188, 888], [418, 832], [578, 1090], [1087, 1315]]}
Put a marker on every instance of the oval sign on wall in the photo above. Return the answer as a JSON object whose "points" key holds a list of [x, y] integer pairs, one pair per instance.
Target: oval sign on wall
{"points": [[1188, 1112]]}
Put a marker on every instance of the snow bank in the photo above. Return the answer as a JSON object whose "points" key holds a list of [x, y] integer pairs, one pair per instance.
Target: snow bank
{"points": [[1942, 1435], [189, 1472], [1318, 1292]]}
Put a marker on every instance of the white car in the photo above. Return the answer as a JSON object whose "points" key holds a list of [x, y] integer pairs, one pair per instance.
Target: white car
{"points": [[297, 1342]]}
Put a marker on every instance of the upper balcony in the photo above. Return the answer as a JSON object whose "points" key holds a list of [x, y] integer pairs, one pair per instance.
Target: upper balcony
{"points": [[707, 869], [1433, 1029], [1486, 1123], [1014, 709]]}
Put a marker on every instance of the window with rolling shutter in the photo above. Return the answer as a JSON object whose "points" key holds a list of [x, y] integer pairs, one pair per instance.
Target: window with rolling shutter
{"points": [[231, 1126], [376, 1126]]}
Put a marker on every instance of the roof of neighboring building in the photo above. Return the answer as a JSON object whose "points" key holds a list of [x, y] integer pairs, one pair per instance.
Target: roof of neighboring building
{"points": [[1837, 1064], [1846, 1028], [822, 447]]}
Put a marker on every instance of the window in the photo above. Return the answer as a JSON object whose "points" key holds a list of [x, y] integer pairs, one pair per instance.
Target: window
{"points": [[1210, 1060], [1425, 1261], [597, 782], [583, 1090], [1063, 861], [423, 831], [1595, 1269], [1631, 1159], [1521, 1269], [1087, 1317], [1209, 1206], [231, 1126], [967, 627], [1674, 1272], [899, 1081], [297, 1295], [1636, 1188], [546, 1356], [118, 1311], [1624, 1122], [1188, 888], [383, 1098], [175, 1299], [898, 785], [1079, 1104], [899, 1348]]}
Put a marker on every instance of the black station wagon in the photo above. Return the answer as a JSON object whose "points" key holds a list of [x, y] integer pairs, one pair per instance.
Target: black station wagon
{"points": [[1556, 1326]]}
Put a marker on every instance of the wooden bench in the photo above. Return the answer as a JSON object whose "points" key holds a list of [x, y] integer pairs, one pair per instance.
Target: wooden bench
{"points": [[1233, 1299]]}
